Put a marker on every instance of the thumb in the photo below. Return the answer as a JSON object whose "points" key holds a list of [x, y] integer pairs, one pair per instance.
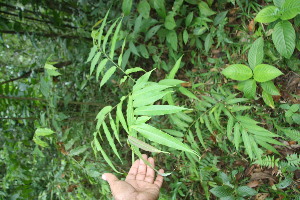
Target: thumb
{"points": [[110, 178]]}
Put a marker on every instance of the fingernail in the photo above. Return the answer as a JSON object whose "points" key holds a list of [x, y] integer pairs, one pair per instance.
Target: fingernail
{"points": [[103, 177]]}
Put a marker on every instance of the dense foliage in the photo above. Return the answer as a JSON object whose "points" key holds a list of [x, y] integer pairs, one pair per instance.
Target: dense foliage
{"points": [[210, 89]]}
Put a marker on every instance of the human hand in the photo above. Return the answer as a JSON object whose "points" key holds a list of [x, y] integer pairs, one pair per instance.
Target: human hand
{"points": [[139, 183]]}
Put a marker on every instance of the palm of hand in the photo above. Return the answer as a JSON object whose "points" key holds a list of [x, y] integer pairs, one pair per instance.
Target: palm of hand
{"points": [[139, 183]]}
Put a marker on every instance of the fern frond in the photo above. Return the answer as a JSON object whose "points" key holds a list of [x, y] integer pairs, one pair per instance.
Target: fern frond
{"points": [[293, 160], [268, 161]]}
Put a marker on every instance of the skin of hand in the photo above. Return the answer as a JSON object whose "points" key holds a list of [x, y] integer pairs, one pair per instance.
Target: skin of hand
{"points": [[140, 183]]}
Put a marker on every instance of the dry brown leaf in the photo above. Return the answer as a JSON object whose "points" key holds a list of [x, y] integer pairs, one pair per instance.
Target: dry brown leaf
{"points": [[188, 84], [251, 26], [253, 184], [260, 176], [261, 196]]}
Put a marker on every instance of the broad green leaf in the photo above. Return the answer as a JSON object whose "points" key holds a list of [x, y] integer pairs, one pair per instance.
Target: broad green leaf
{"points": [[270, 88], [244, 191], [149, 98], [172, 39], [109, 32], [142, 145], [236, 100], [39, 142], [187, 93], [106, 158], [268, 99], [159, 6], [246, 140], [156, 135], [110, 140], [237, 135], [256, 53], [184, 117], [256, 150], [144, 8], [248, 87], [268, 14], [264, 73], [143, 50], [107, 75], [174, 70], [152, 32], [205, 10], [236, 108], [132, 70], [140, 83], [148, 90], [220, 17], [208, 42], [178, 123], [185, 36], [100, 67], [142, 120], [278, 3], [246, 120], [43, 132], [94, 62], [257, 130], [101, 115], [157, 110], [170, 23], [78, 150], [266, 145], [174, 133], [92, 53], [126, 6], [237, 72], [114, 40], [284, 38], [199, 134], [222, 191], [290, 9], [121, 116], [268, 140], [188, 19], [170, 82]]}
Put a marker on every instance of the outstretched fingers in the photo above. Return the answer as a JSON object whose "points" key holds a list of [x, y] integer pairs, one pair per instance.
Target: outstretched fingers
{"points": [[159, 179], [150, 172], [133, 170], [142, 169]]}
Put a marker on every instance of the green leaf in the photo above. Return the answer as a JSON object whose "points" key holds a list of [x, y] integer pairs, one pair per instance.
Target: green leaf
{"points": [[101, 115], [285, 183], [150, 98], [284, 38], [140, 83], [157, 110], [187, 93], [109, 32], [121, 116], [126, 6], [246, 120], [268, 14], [120, 59], [222, 191], [106, 158], [159, 6], [188, 19], [268, 99], [175, 68], [185, 36], [149, 89], [107, 75], [99, 37], [129, 112], [237, 72], [172, 39], [142, 145], [132, 70], [205, 10], [114, 128], [110, 140], [43, 132], [245, 191], [230, 124], [94, 62], [237, 135], [160, 137], [246, 140], [208, 42], [39, 142], [170, 23], [144, 8], [100, 67], [152, 32], [290, 9], [199, 134], [248, 87], [170, 82], [114, 40], [270, 88], [78, 150], [256, 53], [92, 53], [278, 3], [264, 73], [174, 133]]}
